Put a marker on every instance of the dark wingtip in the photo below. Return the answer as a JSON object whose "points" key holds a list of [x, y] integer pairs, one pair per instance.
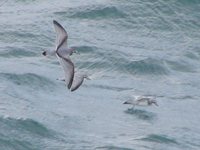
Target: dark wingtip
{"points": [[125, 103], [72, 90], [69, 85], [54, 21]]}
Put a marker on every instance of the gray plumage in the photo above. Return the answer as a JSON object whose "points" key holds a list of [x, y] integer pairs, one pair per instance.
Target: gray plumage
{"points": [[142, 101], [61, 45], [78, 80], [62, 53]]}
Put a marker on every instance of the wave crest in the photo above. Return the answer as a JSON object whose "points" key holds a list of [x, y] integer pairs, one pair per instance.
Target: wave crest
{"points": [[28, 79], [94, 12]]}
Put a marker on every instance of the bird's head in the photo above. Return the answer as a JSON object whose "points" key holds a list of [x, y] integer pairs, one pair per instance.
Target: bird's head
{"points": [[128, 102], [44, 53]]}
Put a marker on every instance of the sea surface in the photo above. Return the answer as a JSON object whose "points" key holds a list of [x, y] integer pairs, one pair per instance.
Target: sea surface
{"points": [[128, 48]]}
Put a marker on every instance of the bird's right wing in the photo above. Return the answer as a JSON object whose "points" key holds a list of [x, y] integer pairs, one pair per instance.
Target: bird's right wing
{"points": [[76, 83], [68, 68]]}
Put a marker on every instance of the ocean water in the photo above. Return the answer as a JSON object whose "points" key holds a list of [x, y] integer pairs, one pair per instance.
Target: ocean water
{"points": [[129, 48]]}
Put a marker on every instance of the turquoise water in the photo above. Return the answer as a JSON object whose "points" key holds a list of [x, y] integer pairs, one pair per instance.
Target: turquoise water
{"points": [[141, 47]]}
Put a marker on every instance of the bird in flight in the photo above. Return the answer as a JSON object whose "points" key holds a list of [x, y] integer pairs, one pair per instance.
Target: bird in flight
{"points": [[63, 52]]}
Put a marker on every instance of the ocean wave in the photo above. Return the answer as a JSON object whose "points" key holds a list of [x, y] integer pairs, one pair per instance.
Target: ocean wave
{"points": [[22, 134], [113, 88], [188, 2], [14, 144], [159, 139], [98, 58], [147, 66], [16, 52], [85, 49], [91, 57], [15, 36], [30, 80], [28, 126], [180, 66], [113, 148], [192, 55], [93, 12]]}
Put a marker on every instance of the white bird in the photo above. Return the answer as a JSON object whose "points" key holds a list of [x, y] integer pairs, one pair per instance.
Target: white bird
{"points": [[62, 52], [78, 80], [142, 101]]}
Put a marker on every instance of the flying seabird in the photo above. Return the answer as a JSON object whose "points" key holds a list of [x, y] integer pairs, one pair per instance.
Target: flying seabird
{"points": [[142, 101], [62, 53]]}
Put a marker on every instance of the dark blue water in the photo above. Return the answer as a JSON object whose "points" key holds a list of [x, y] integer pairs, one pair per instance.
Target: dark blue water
{"points": [[129, 48]]}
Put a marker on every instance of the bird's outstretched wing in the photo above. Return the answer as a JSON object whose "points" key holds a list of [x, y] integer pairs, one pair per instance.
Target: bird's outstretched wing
{"points": [[61, 36], [76, 83], [68, 68]]}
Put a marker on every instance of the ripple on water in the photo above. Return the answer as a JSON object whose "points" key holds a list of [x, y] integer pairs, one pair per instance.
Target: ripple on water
{"points": [[16, 52], [112, 88], [16, 144], [159, 139], [141, 114], [22, 134], [30, 80], [180, 66], [112, 148], [98, 58], [86, 49], [93, 12], [147, 66], [25, 125]]}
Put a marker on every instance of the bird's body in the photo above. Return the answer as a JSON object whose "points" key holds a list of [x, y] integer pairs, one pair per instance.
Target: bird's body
{"points": [[142, 101], [65, 52]]}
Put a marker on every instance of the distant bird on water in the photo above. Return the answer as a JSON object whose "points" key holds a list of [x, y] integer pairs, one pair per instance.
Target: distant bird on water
{"points": [[142, 101], [63, 53]]}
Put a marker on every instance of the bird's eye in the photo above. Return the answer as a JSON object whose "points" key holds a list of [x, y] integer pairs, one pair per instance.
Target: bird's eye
{"points": [[44, 53]]}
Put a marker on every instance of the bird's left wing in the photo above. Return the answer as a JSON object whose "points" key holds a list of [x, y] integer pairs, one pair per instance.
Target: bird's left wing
{"points": [[61, 35]]}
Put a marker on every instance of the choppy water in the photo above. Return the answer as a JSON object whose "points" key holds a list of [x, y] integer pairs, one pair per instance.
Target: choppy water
{"points": [[129, 48]]}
